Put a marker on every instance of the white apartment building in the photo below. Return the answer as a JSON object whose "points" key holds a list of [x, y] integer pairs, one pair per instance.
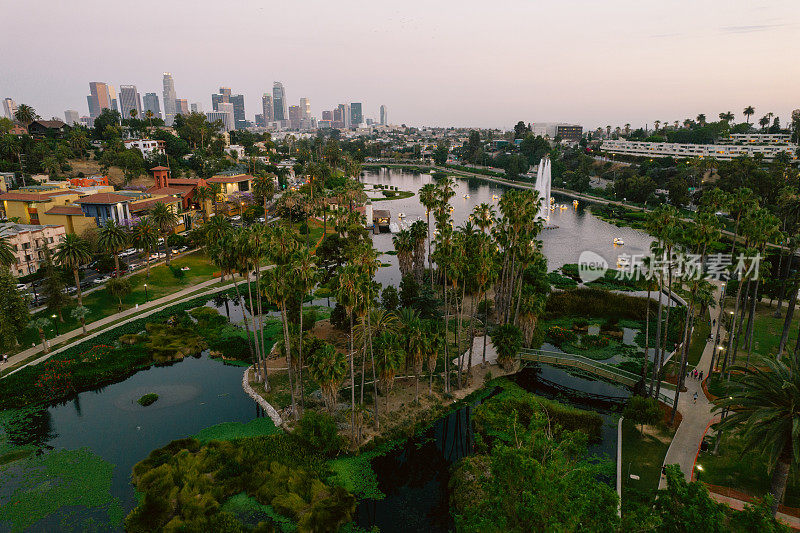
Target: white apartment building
{"points": [[738, 145], [146, 146], [28, 242]]}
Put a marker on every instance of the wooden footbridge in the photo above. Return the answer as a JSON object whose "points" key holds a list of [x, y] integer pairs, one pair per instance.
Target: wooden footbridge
{"points": [[597, 368]]}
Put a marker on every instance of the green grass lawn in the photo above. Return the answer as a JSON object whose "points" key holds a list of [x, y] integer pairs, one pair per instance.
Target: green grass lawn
{"points": [[101, 304], [767, 331], [643, 455], [702, 329], [745, 471]]}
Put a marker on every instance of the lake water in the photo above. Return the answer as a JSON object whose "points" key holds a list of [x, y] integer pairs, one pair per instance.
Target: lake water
{"points": [[577, 229], [414, 476], [193, 394]]}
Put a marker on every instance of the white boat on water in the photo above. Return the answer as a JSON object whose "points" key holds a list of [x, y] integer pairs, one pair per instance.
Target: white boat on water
{"points": [[401, 215], [618, 241], [466, 196]]}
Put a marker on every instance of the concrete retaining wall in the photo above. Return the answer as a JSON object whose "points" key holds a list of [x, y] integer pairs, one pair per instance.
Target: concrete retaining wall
{"points": [[271, 412]]}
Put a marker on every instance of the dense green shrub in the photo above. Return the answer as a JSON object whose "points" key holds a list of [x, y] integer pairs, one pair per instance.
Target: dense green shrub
{"points": [[318, 431], [595, 303], [594, 341], [557, 335], [561, 282], [148, 399]]}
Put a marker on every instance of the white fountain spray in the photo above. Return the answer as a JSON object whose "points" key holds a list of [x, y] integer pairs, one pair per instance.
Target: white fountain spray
{"points": [[543, 187]]}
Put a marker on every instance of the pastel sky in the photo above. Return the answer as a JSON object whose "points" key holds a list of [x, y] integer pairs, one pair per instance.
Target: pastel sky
{"points": [[434, 62]]}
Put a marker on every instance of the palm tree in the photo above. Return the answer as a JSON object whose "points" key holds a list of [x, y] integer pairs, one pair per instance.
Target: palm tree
{"points": [[41, 324], [726, 116], [7, 257], [419, 232], [144, 237], [165, 219], [748, 112], [79, 314], [404, 246], [657, 123], [78, 141], [149, 114], [306, 273], [429, 199], [763, 400], [203, 194], [507, 340], [113, 238], [264, 187], [277, 288], [25, 114], [763, 122], [348, 296], [701, 119], [328, 367], [71, 253]]}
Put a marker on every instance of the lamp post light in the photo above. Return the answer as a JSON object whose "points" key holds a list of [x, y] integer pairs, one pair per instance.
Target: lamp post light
{"points": [[145, 293], [699, 471], [55, 322]]}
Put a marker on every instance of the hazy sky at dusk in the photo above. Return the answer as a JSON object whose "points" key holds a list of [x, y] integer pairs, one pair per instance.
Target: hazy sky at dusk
{"points": [[437, 62]]}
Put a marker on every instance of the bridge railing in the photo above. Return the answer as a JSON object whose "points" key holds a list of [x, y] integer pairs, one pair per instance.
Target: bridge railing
{"points": [[590, 365]]}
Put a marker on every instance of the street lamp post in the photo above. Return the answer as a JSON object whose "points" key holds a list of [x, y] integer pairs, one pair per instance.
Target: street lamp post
{"points": [[55, 322], [145, 293]]}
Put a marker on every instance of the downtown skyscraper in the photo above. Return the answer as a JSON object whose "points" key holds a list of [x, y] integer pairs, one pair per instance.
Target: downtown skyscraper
{"points": [[280, 112], [170, 98], [356, 114], [99, 98], [130, 101], [9, 108], [268, 113], [384, 116], [151, 104]]}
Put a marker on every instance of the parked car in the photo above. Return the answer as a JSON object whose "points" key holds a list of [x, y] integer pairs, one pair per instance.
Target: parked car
{"points": [[101, 279], [21, 287]]}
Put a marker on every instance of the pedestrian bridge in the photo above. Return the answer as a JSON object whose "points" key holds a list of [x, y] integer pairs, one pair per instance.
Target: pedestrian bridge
{"points": [[603, 370]]}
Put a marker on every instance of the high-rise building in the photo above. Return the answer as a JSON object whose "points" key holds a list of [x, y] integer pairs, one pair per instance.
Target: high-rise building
{"points": [[305, 108], [267, 111], [112, 95], [181, 106], [238, 111], [10, 108], [151, 104], [98, 99], [72, 117], [129, 101], [344, 109], [356, 115], [327, 115], [279, 102], [384, 116], [196, 107], [294, 117], [169, 98], [225, 114]]}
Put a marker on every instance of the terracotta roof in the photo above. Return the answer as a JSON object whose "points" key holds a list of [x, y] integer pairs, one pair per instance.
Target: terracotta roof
{"points": [[64, 210], [25, 197], [138, 207], [230, 179], [183, 190], [159, 168], [103, 198]]}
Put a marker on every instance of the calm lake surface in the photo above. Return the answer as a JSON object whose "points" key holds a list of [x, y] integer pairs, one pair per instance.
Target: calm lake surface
{"points": [[577, 229]]}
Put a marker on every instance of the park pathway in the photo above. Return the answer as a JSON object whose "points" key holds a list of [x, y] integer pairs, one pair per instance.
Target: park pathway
{"points": [[696, 416], [95, 328]]}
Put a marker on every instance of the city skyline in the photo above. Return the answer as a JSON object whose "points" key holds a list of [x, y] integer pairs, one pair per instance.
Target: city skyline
{"points": [[587, 63]]}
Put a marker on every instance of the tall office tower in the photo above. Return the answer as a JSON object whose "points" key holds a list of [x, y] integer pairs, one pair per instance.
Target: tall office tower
{"points": [[327, 115], [356, 116], [223, 96], [151, 104], [71, 117], [225, 114], [384, 117], [305, 108], [181, 106], [112, 95], [266, 109], [10, 108], [129, 100], [279, 102], [294, 117], [196, 107], [169, 98], [98, 99], [238, 110]]}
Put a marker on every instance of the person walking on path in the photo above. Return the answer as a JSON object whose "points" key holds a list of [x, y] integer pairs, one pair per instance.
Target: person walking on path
{"points": [[694, 398], [701, 375]]}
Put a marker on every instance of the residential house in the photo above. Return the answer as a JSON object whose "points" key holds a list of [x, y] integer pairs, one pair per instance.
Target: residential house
{"points": [[104, 206], [28, 243], [48, 128]]}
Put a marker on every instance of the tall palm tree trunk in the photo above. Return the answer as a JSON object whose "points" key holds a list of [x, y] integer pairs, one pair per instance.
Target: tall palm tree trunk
{"points": [[788, 320], [657, 358], [780, 477], [646, 339], [78, 286], [374, 377], [665, 333], [260, 355], [352, 380], [446, 317], [300, 357], [472, 308], [750, 321], [287, 343]]}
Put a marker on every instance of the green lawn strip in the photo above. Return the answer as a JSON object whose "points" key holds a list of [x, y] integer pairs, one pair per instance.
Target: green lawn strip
{"points": [[398, 195], [767, 331], [44, 484], [643, 455], [237, 430], [702, 329], [162, 282], [742, 470]]}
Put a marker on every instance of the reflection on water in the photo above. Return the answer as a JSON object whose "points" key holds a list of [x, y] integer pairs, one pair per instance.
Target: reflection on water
{"points": [[193, 394], [414, 476], [578, 230]]}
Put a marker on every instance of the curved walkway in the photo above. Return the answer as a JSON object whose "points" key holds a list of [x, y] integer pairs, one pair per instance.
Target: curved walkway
{"points": [[685, 445]]}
